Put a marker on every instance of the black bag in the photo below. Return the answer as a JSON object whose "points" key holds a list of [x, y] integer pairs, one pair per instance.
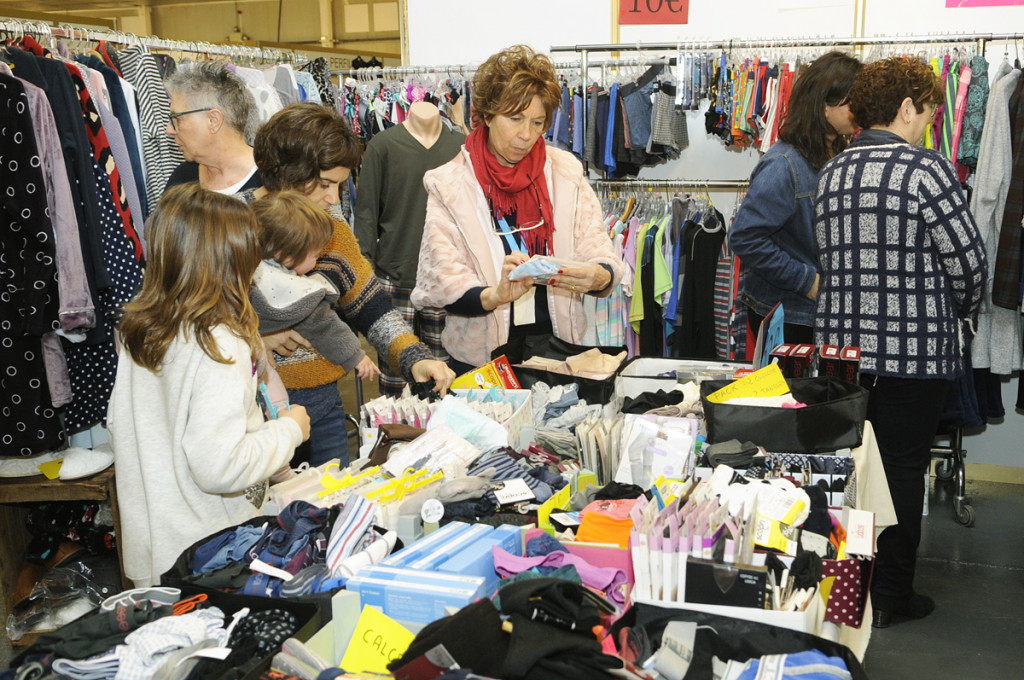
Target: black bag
{"points": [[550, 347], [833, 418], [180, 573], [723, 637]]}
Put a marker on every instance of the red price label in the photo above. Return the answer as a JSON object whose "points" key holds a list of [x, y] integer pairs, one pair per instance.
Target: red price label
{"points": [[654, 11]]}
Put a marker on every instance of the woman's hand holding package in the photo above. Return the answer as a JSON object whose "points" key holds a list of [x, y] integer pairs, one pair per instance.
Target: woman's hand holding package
{"points": [[582, 278], [425, 369], [507, 291]]}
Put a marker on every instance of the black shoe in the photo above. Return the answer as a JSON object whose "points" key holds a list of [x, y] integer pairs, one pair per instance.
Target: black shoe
{"points": [[916, 606], [881, 618]]}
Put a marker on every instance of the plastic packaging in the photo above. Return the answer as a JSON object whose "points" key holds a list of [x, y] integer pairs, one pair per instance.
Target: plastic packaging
{"points": [[63, 594]]}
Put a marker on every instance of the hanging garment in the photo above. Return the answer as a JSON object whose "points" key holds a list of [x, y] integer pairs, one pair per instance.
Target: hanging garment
{"points": [[974, 113], [702, 242], [321, 73], [30, 300], [1007, 277], [120, 108], [651, 329], [54, 79], [162, 155], [997, 345], [727, 285]]}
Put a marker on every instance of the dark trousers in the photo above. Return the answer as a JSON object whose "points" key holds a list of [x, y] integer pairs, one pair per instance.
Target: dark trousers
{"points": [[905, 415]]}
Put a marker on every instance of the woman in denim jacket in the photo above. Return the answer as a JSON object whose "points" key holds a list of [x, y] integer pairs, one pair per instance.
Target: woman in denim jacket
{"points": [[772, 233]]}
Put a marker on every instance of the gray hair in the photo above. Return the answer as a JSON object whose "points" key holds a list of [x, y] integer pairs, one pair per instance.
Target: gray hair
{"points": [[212, 84]]}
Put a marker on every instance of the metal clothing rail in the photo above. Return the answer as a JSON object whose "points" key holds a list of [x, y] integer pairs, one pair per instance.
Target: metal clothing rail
{"points": [[817, 41], [236, 52], [632, 184], [728, 45], [463, 70]]}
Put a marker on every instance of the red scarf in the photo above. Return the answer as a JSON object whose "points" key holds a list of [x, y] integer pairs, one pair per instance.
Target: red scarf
{"points": [[521, 189]]}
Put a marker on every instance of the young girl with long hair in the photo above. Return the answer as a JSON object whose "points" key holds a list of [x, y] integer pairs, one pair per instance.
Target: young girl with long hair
{"points": [[192, 448]]}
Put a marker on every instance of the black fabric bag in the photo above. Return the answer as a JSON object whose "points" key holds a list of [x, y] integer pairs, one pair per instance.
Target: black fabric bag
{"points": [[726, 638], [519, 350], [180, 573], [833, 418]]}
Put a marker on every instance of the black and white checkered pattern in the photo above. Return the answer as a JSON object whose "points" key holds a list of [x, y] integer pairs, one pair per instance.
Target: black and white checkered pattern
{"points": [[901, 258]]}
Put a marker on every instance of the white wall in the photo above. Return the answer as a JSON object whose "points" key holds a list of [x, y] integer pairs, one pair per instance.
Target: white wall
{"points": [[445, 32], [467, 31]]}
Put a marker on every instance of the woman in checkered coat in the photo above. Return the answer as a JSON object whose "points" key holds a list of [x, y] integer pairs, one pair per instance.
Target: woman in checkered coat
{"points": [[902, 270]]}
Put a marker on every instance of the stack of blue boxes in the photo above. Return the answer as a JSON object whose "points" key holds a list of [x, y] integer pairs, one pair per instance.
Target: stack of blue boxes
{"points": [[450, 568]]}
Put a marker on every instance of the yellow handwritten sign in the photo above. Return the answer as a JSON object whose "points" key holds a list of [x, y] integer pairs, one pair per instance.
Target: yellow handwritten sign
{"points": [[377, 640], [764, 382]]}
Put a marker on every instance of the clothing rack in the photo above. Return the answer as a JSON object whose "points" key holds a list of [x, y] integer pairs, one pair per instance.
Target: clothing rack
{"points": [[234, 52], [769, 43], [981, 40], [631, 184], [467, 70], [452, 70]]}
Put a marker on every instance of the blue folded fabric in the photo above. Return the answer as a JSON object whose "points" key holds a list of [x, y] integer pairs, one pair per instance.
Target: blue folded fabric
{"points": [[543, 544], [231, 546]]}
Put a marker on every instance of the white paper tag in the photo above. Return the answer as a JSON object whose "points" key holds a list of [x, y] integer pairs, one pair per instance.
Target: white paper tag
{"points": [[513, 491], [525, 309], [219, 653], [432, 511]]}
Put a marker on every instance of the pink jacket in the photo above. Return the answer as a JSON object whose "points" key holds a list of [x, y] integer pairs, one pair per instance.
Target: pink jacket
{"points": [[460, 250]]}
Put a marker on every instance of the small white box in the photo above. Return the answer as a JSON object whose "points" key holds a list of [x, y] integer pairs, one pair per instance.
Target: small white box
{"points": [[860, 531]]}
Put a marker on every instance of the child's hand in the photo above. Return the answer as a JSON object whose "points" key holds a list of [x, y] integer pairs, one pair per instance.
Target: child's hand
{"points": [[366, 369], [297, 412]]}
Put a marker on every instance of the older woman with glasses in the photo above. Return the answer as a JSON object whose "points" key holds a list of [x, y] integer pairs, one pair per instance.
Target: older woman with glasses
{"points": [[212, 111], [505, 197], [902, 273]]}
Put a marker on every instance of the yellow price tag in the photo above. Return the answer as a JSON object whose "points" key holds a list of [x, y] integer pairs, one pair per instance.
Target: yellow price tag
{"points": [[52, 468], [378, 639], [764, 382]]}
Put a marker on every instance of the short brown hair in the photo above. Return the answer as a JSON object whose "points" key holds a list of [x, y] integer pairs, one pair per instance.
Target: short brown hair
{"points": [[299, 142], [880, 88], [508, 81], [291, 226]]}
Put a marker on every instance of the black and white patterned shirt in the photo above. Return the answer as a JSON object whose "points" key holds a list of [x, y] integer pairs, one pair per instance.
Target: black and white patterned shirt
{"points": [[902, 263]]}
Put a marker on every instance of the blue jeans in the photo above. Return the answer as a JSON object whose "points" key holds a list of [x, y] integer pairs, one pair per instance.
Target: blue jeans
{"points": [[328, 433]]}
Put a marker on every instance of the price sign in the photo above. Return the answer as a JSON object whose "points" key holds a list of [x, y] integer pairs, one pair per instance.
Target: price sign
{"points": [[654, 11]]}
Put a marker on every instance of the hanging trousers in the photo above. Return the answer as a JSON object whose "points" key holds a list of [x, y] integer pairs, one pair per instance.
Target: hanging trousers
{"points": [[905, 415]]}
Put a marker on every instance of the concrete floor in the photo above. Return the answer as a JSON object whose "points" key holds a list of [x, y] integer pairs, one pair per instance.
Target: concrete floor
{"points": [[976, 576]]}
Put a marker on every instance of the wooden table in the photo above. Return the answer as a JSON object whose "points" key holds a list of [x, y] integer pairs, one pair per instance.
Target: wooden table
{"points": [[17, 493]]}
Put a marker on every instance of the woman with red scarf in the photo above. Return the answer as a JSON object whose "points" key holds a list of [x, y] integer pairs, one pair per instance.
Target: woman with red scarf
{"points": [[505, 197]]}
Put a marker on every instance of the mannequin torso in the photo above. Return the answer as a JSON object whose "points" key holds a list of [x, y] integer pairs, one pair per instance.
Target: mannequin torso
{"points": [[424, 123]]}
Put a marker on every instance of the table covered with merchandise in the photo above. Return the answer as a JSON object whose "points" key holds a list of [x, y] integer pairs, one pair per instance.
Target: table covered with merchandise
{"points": [[522, 533]]}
